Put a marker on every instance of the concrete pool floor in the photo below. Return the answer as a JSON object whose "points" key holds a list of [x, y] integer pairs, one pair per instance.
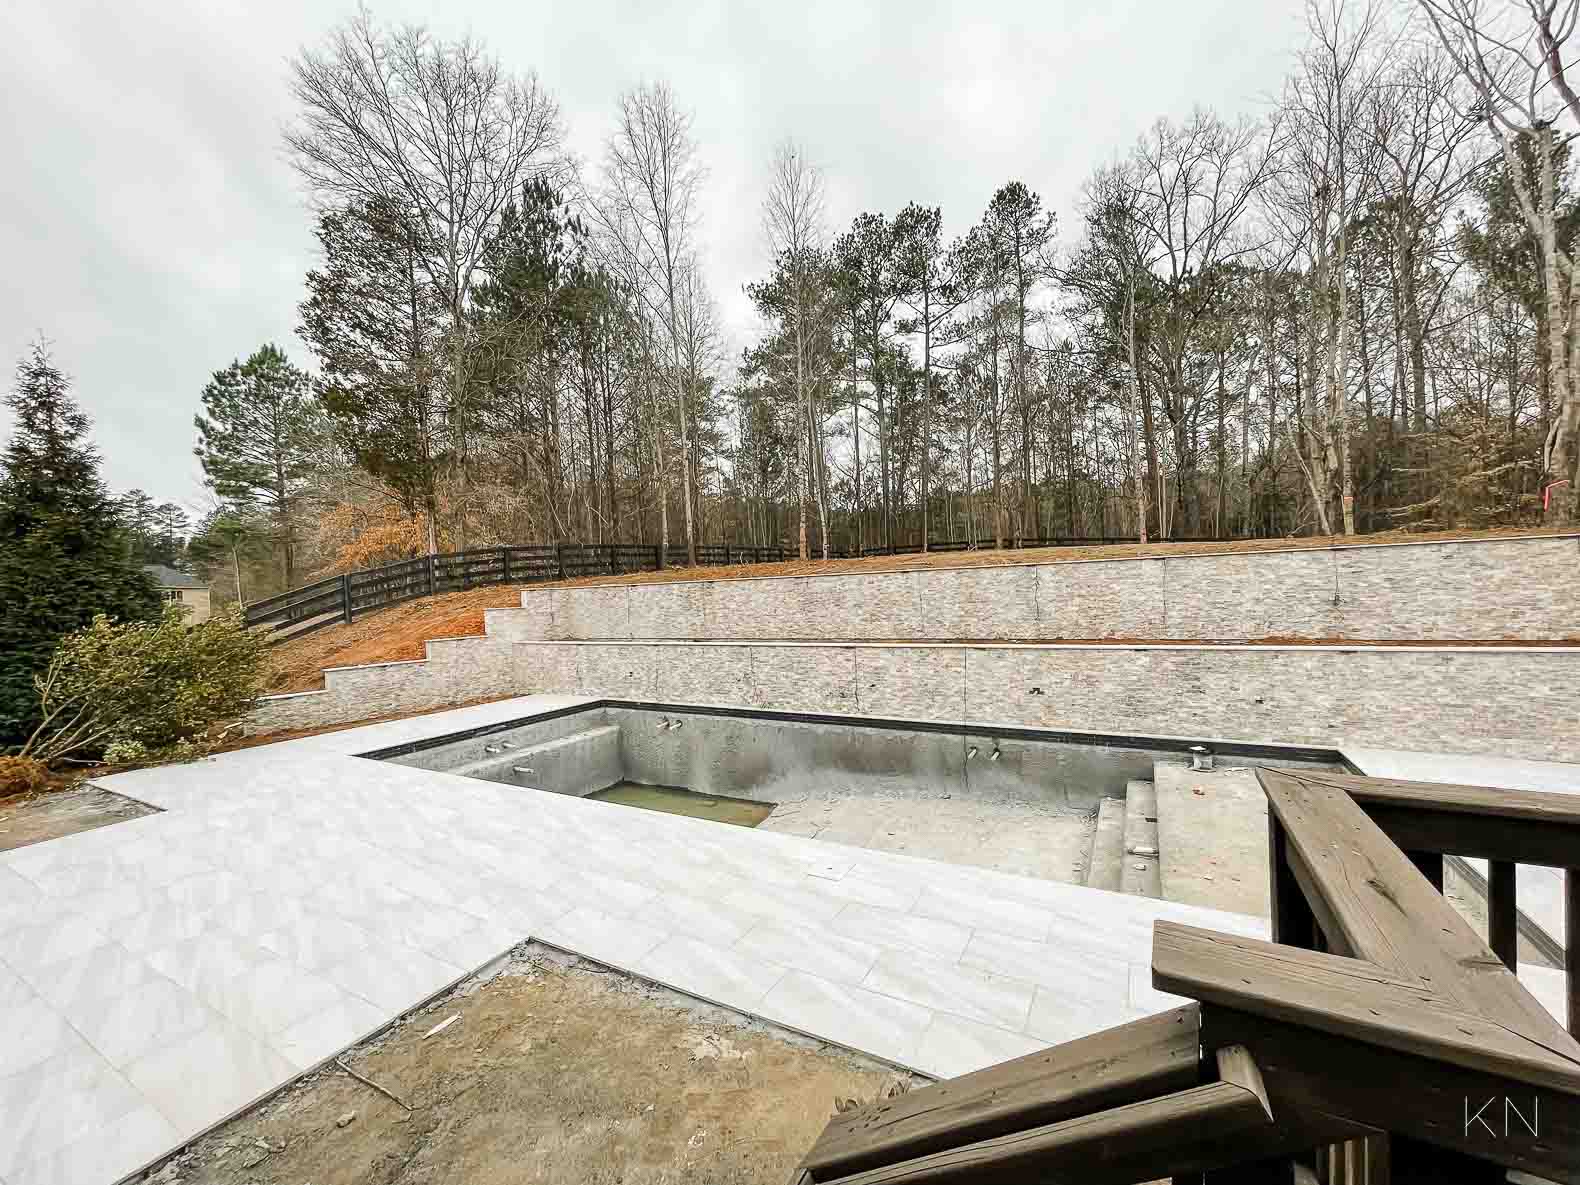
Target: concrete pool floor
{"points": [[160, 974], [1029, 839]]}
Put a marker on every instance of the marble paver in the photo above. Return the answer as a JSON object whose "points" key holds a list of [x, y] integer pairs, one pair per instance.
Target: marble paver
{"points": [[162, 973]]}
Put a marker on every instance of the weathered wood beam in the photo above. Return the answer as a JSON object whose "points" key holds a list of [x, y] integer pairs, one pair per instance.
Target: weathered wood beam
{"points": [[1383, 911], [1154, 1056], [1189, 1131], [1485, 837], [1310, 1075], [1351, 998]]}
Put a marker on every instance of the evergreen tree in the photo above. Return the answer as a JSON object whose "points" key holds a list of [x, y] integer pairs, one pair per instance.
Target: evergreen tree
{"points": [[156, 532], [377, 324], [257, 440], [64, 556]]}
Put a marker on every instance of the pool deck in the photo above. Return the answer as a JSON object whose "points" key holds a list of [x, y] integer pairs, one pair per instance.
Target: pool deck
{"points": [[161, 974]]}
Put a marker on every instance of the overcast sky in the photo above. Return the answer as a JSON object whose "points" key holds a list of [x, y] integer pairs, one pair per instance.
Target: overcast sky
{"points": [[150, 226]]}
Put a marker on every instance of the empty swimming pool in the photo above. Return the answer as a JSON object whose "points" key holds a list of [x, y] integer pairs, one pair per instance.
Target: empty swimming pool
{"points": [[1020, 800]]}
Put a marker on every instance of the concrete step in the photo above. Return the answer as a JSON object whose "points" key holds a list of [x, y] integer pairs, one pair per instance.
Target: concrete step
{"points": [[1141, 875], [1105, 864], [1212, 837]]}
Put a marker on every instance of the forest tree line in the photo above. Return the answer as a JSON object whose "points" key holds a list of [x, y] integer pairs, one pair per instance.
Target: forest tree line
{"points": [[1354, 313]]}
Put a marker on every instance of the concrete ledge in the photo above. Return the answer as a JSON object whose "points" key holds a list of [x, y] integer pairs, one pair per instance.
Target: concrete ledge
{"points": [[1451, 699], [1475, 589]]}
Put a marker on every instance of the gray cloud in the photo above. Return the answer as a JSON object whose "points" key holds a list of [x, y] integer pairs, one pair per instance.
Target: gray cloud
{"points": [[151, 227]]}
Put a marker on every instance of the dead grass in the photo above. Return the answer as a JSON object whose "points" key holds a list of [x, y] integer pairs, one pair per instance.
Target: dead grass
{"points": [[400, 632]]}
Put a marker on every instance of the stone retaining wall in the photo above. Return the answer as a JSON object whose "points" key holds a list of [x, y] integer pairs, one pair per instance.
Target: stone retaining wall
{"points": [[1505, 700], [456, 671], [1474, 589]]}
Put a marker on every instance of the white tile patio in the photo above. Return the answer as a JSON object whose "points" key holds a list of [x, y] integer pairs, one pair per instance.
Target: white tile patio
{"points": [[293, 898]]}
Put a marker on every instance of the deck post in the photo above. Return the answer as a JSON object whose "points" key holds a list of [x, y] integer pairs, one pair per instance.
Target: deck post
{"points": [[1502, 928], [1430, 865], [1293, 922], [1572, 946]]}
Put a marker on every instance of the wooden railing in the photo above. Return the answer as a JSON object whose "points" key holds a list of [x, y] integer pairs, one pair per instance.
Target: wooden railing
{"points": [[1376, 1039], [343, 598]]}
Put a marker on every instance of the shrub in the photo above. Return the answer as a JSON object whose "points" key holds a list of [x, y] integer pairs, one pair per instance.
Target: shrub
{"points": [[22, 775], [146, 690]]}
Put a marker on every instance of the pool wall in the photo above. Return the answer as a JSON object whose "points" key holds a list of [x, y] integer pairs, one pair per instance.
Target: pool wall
{"points": [[774, 757]]}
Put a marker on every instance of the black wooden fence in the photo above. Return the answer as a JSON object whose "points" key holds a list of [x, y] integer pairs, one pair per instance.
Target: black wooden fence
{"points": [[343, 598], [346, 597]]}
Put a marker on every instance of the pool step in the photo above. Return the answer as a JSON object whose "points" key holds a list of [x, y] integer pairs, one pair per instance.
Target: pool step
{"points": [[1106, 862], [1141, 875]]}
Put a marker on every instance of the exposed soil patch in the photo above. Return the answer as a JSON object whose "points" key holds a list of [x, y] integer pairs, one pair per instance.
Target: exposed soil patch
{"points": [[391, 635], [557, 1072], [399, 633], [33, 819]]}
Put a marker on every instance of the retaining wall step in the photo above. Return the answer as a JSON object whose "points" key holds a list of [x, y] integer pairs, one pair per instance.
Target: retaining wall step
{"points": [[1105, 863], [1140, 874]]}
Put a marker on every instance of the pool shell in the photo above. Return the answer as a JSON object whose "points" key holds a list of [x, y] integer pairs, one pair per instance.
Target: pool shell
{"points": [[776, 757]]}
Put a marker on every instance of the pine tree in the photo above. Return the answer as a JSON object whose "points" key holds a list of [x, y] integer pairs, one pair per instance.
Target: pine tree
{"points": [[257, 440], [64, 556]]}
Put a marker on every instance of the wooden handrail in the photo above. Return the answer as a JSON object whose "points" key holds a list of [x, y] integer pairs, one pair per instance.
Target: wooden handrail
{"points": [[1350, 998], [1361, 1033], [1187, 1131], [1375, 904], [1153, 1056]]}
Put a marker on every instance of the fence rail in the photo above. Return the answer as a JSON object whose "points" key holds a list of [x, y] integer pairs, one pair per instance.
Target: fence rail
{"points": [[343, 598]]}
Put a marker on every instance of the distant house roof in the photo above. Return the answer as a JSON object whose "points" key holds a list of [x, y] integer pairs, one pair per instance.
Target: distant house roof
{"points": [[167, 577]]}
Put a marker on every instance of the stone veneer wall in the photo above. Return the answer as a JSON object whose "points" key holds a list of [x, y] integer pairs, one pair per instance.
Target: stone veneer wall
{"points": [[456, 671], [1517, 588], [1505, 700]]}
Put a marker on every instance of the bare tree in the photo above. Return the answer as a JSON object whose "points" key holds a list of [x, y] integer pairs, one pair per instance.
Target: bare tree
{"points": [[395, 119], [1421, 131], [1329, 175], [1514, 61], [1196, 182], [648, 207]]}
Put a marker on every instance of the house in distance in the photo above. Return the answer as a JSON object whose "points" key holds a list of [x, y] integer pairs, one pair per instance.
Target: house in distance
{"points": [[187, 591]]}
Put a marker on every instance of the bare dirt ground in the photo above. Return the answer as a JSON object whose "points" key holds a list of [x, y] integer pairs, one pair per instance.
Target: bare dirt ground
{"points": [[558, 1071], [32, 819], [400, 632]]}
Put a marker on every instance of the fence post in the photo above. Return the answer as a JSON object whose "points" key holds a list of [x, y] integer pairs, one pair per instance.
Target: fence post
{"points": [[504, 564], [433, 576], [658, 557], [559, 559], [345, 597]]}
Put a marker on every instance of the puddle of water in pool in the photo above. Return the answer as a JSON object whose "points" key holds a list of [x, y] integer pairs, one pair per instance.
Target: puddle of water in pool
{"points": [[742, 812]]}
